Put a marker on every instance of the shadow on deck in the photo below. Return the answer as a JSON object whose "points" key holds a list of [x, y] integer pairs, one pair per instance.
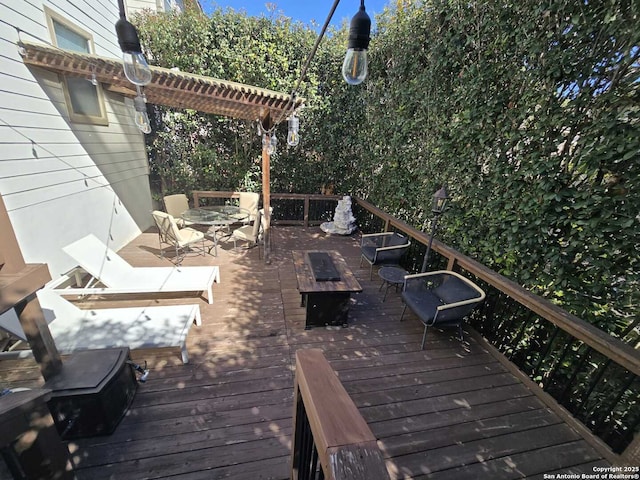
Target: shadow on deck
{"points": [[451, 411]]}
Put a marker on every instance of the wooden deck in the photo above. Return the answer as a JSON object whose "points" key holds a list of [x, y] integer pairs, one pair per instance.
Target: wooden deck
{"points": [[451, 411]]}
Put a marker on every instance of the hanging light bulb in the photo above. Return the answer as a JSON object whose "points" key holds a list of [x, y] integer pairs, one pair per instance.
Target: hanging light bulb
{"points": [[354, 67], [273, 145], [141, 118], [136, 67], [293, 137], [92, 78]]}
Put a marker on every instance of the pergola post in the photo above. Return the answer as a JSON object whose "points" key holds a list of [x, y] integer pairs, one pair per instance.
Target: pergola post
{"points": [[266, 192]]}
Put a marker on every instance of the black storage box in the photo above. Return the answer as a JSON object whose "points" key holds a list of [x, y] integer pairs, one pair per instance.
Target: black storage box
{"points": [[92, 393]]}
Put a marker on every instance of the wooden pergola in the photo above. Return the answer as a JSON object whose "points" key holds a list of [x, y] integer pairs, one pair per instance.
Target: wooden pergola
{"points": [[176, 89]]}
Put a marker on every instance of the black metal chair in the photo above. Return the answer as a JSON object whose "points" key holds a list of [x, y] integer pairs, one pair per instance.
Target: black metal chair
{"points": [[440, 299], [382, 249]]}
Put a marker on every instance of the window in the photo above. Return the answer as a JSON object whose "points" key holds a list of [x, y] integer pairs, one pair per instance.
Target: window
{"points": [[85, 101], [171, 5]]}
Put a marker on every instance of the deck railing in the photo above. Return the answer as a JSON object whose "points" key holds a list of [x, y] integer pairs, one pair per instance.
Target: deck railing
{"points": [[288, 208], [331, 439], [593, 376]]}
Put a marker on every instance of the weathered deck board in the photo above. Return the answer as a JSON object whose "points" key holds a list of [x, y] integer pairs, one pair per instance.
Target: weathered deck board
{"points": [[451, 411]]}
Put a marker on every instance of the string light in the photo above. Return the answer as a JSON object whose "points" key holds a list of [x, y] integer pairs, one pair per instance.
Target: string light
{"points": [[141, 117], [269, 139], [136, 67], [92, 78], [293, 137], [354, 67]]}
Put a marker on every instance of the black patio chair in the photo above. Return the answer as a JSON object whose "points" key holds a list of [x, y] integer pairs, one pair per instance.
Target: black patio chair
{"points": [[440, 299], [382, 249]]}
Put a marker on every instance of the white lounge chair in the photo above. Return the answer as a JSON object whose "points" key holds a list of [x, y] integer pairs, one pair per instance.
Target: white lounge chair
{"points": [[118, 276], [135, 327], [10, 323]]}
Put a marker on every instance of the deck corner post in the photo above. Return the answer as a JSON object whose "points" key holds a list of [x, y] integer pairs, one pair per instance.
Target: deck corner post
{"points": [[631, 455], [329, 431]]}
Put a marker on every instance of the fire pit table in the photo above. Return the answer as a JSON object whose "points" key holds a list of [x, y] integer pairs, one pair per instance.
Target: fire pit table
{"points": [[326, 284]]}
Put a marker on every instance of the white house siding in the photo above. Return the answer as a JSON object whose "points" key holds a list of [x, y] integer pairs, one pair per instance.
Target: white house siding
{"points": [[61, 180], [137, 6], [177, 6]]}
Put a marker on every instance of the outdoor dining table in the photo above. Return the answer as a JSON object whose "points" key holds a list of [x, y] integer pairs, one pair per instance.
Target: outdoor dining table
{"points": [[218, 217]]}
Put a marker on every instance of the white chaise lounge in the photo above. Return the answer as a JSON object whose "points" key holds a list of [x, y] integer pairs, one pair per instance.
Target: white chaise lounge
{"points": [[134, 327], [10, 323], [118, 276]]}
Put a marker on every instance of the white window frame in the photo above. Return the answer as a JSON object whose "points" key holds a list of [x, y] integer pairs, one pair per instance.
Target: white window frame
{"points": [[74, 116], [175, 6]]}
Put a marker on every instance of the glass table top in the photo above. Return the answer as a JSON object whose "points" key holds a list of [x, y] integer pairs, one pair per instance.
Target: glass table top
{"points": [[219, 214]]}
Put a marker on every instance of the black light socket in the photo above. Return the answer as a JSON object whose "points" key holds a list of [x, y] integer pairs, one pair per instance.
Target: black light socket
{"points": [[360, 30], [127, 36]]}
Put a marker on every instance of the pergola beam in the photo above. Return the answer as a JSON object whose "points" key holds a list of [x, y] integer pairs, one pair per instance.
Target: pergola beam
{"points": [[168, 87]]}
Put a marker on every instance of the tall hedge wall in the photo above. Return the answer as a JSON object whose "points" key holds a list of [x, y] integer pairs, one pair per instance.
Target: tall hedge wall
{"points": [[528, 111]]}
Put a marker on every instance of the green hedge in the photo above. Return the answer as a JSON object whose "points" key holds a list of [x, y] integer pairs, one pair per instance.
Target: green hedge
{"points": [[529, 113]]}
